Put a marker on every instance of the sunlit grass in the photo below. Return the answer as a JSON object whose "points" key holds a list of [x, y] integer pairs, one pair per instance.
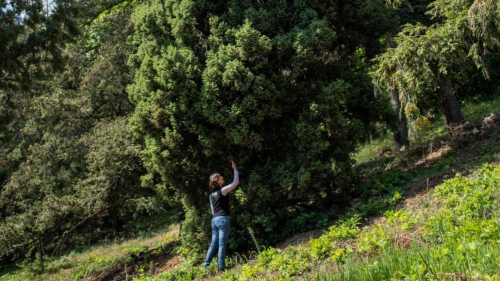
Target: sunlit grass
{"points": [[460, 239], [76, 265], [374, 147], [474, 112], [416, 263]]}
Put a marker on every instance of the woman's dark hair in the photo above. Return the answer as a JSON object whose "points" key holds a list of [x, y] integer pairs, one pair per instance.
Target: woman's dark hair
{"points": [[213, 181]]}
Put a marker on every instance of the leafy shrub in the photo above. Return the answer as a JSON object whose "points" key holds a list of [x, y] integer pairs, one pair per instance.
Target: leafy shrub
{"points": [[345, 229], [227, 276], [374, 239], [469, 207], [291, 262], [251, 273], [186, 273], [402, 219], [379, 206], [385, 182], [267, 256]]}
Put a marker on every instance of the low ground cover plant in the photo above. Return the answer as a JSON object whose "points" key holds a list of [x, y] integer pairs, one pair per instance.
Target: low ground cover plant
{"points": [[460, 241]]}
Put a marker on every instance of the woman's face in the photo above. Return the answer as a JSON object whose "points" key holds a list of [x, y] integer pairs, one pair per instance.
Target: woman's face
{"points": [[220, 181]]}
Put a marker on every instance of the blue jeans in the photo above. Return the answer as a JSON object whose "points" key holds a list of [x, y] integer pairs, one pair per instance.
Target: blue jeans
{"points": [[220, 231]]}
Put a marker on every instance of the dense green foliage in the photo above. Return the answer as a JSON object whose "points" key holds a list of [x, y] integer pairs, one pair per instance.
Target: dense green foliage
{"points": [[69, 169], [277, 86], [33, 36]]}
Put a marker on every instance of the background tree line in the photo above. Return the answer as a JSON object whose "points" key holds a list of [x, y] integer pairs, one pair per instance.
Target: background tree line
{"points": [[113, 111], [68, 166]]}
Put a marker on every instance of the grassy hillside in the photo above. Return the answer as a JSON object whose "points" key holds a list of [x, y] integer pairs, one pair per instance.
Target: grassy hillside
{"points": [[427, 213], [98, 262], [401, 227], [452, 233]]}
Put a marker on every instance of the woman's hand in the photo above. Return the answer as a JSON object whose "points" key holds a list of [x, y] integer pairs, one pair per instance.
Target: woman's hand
{"points": [[234, 166]]}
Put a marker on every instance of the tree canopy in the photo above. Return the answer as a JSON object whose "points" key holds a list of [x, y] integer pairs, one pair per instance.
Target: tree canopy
{"points": [[273, 85], [33, 34]]}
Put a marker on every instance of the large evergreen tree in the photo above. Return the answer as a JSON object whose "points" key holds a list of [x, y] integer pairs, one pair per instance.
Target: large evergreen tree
{"points": [[273, 85]]}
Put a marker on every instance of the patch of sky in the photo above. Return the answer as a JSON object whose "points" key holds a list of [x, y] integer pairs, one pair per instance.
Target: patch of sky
{"points": [[9, 6]]}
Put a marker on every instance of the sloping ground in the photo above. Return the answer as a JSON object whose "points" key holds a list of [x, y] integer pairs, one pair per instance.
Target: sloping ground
{"points": [[142, 260], [321, 254], [425, 236], [150, 253], [473, 145], [156, 261], [450, 234], [319, 250], [439, 160]]}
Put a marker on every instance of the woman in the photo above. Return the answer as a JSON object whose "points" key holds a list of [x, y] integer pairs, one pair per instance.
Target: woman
{"points": [[221, 221]]}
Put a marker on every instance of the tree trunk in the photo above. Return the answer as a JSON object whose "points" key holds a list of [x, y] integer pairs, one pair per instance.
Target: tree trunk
{"points": [[401, 132], [449, 103]]}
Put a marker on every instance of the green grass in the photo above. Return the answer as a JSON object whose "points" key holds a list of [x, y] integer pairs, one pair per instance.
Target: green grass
{"points": [[461, 239], [457, 258], [372, 149], [474, 112], [77, 265]]}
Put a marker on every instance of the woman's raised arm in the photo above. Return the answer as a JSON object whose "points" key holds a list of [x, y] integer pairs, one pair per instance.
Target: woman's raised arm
{"points": [[236, 180]]}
